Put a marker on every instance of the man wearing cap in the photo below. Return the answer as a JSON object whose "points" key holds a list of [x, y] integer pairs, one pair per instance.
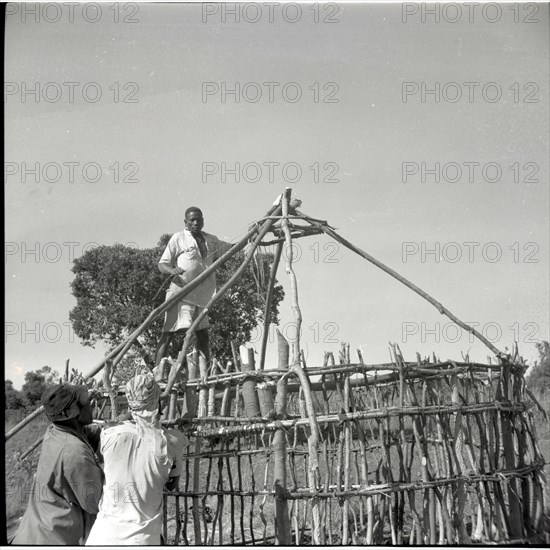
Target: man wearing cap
{"points": [[187, 255], [140, 458], [67, 486]]}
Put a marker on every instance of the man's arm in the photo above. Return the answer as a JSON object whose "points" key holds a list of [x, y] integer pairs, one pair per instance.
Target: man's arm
{"points": [[176, 441], [84, 477], [93, 435], [167, 261]]}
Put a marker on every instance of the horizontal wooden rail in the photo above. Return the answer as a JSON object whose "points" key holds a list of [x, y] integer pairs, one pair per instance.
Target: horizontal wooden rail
{"points": [[256, 426]]}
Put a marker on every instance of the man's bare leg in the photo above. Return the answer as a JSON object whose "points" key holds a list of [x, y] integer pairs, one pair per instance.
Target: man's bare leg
{"points": [[162, 346], [203, 343]]}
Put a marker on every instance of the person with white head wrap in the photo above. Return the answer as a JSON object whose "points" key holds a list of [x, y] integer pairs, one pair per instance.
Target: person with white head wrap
{"points": [[140, 458]]}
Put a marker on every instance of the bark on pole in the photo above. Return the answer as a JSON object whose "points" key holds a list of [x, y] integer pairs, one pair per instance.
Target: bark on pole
{"points": [[313, 439], [203, 392], [269, 297], [250, 397], [191, 401], [282, 521], [212, 392]]}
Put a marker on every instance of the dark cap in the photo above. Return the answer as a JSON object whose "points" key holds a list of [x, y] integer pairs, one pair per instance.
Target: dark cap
{"points": [[61, 402]]}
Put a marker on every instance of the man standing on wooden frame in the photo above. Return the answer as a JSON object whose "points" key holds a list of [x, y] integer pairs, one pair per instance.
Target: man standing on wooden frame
{"points": [[187, 254]]}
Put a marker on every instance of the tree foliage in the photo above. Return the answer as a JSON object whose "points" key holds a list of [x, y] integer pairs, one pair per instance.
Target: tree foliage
{"points": [[538, 378], [35, 384], [116, 287], [13, 399]]}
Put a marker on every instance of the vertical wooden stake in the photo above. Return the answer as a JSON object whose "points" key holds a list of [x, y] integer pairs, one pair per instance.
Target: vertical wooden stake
{"points": [[282, 521], [250, 397]]}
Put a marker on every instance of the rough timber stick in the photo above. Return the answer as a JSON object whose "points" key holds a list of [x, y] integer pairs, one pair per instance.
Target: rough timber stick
{"points": [[347, 450], [269, 297], [443, 310], [24, 422], [31, 448], [510, 452], [250, 397], [197, 460], [211, 391], [282, 521], [313, 439]]}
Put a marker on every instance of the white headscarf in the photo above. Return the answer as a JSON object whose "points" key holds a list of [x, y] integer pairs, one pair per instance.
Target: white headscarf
{"points": [[143, 394]]}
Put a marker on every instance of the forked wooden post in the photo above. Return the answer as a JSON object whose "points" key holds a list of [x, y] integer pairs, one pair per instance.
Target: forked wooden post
{"points": [[282, 521], [313, 438]]}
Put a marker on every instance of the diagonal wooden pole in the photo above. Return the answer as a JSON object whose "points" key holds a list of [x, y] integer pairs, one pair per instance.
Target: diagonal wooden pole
{"points": [[269, 297], [443, 310]]}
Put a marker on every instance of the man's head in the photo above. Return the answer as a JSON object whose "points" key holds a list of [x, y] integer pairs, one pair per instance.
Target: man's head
{"points": [[194, 220], [65, 402]]}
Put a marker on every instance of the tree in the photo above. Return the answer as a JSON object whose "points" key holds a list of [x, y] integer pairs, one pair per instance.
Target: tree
{"points": [[539, 376], [13, 397], [35, 384], [116, 287]]}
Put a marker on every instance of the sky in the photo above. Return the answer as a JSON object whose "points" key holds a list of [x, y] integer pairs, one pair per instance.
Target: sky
{"points": [[128, 120]]}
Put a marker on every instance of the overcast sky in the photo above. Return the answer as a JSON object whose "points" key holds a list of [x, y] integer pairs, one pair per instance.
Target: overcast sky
{"points": [[163, 121]]}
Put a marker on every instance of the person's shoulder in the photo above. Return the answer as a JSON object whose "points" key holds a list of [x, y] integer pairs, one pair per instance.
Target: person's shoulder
{"points": [[178, 236], [75, 451], [111, 430]]}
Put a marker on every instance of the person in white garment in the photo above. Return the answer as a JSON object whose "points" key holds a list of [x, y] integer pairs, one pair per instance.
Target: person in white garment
{"points": [[140, 459], [187, 255]]}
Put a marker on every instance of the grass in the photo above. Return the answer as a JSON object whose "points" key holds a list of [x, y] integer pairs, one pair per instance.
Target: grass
{"points": [[19, 473]]}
